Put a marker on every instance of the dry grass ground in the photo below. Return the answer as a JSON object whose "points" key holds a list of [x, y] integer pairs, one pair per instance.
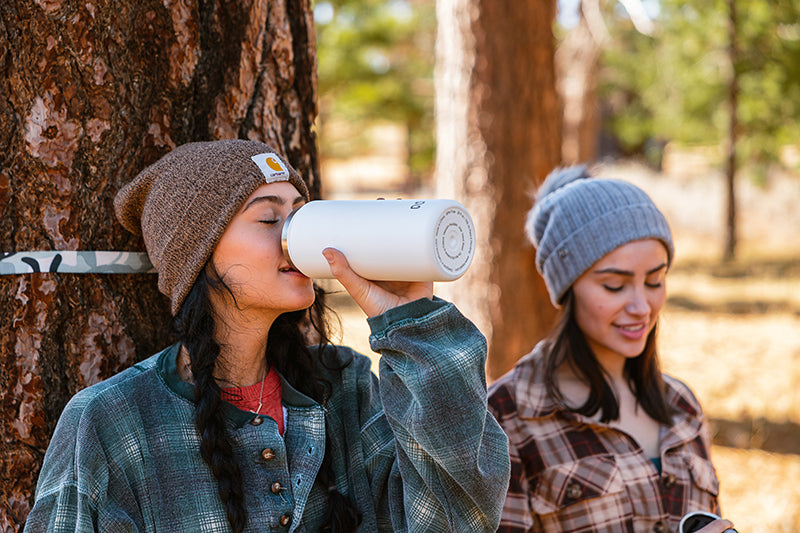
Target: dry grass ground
{"points": [[745, 369], [732, 332]]}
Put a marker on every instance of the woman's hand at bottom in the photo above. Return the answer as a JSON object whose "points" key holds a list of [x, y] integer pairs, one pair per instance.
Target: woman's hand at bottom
{"points": [[375, 297]]}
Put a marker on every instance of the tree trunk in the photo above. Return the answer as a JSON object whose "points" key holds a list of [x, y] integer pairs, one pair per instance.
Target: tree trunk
{"points": [[498, 135], [729, 252], [92, 92]]}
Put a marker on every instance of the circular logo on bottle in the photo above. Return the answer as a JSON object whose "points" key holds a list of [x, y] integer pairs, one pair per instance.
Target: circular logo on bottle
{"points": [[455, 240]]}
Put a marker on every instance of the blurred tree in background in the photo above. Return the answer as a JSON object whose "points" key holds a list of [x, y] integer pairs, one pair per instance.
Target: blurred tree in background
{"points": [[673, 85], [498, 121], [375, 62], [669, 84], [634, 76], [498, 129]]}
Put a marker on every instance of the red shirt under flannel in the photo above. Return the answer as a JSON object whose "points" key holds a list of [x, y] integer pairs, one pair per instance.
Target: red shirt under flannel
{"points": [[572, 474]]}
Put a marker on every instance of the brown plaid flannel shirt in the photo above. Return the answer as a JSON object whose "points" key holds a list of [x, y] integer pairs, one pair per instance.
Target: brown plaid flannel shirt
{"points": [[572, 474]]}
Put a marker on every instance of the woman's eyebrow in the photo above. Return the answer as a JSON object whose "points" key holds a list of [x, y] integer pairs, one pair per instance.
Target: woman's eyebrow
{"points": [[272, 199], [621, 272], [656, 269]]}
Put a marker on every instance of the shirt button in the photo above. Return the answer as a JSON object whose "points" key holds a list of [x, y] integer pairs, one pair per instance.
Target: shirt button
{"points": [[574, 491], [669, 481], [286, 520], [268, 454], [276, 488], [256, 421], [659, 527]]}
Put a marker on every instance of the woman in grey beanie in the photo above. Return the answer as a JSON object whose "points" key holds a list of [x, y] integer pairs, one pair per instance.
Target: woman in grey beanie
{"points": [[241, 425], [600, 439]]}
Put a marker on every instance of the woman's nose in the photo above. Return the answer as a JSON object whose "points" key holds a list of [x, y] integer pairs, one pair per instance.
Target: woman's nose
{"points": [[638, 304]]}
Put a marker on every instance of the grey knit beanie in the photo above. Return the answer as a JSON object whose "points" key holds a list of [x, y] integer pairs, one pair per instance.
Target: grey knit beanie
{"points": [[182, 203], [577, 220]]}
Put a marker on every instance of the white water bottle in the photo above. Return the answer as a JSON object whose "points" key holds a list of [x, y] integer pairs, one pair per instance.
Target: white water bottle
{"points": [[383, 240]]}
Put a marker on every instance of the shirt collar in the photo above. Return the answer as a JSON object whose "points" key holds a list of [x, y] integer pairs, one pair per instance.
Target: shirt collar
{"points": [[530, 391], [168, 369]]}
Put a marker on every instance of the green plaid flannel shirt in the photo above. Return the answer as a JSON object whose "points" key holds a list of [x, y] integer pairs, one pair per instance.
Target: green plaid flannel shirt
{"points": [[416, 450]]}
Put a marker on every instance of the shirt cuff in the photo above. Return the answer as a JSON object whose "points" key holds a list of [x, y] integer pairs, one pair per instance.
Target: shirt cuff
{"points": [[406, 312]]}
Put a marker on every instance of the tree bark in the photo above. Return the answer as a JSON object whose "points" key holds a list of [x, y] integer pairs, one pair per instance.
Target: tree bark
{"points": [[90, 93], [498, 135]]}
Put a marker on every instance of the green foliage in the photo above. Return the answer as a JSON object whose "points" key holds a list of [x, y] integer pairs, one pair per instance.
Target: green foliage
{"points": [[375, 62], [674, 85]]}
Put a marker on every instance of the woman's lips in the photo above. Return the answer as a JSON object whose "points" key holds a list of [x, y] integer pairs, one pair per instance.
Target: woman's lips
{"points": [[632, 331]]}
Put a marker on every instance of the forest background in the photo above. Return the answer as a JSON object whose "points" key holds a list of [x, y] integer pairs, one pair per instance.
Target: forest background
{"points": [[647, 97], [695, 101]]}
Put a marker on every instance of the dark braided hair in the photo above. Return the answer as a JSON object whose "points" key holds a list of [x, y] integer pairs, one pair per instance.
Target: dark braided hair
{"points": [[288, 352]]}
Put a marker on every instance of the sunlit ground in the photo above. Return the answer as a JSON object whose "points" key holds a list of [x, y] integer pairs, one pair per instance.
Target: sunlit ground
{"points": [[731, 332], [745, 368]]}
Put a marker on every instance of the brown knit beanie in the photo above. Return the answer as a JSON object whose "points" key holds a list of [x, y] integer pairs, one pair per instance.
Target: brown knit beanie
{"points": [[182, 203]]}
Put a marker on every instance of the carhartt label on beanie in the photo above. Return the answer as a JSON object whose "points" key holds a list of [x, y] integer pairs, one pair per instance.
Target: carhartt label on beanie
{"points": [[271, 166]]}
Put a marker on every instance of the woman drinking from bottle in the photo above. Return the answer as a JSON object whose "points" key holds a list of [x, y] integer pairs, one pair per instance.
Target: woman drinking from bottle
{"points": [[252, 421]]}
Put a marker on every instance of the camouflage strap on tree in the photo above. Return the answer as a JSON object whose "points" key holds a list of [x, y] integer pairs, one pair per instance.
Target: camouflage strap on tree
{"points": [[74, 262]]}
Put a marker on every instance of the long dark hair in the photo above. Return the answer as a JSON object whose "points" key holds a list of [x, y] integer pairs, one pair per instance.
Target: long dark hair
{"points": [[568, 345], [288, 352]]}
